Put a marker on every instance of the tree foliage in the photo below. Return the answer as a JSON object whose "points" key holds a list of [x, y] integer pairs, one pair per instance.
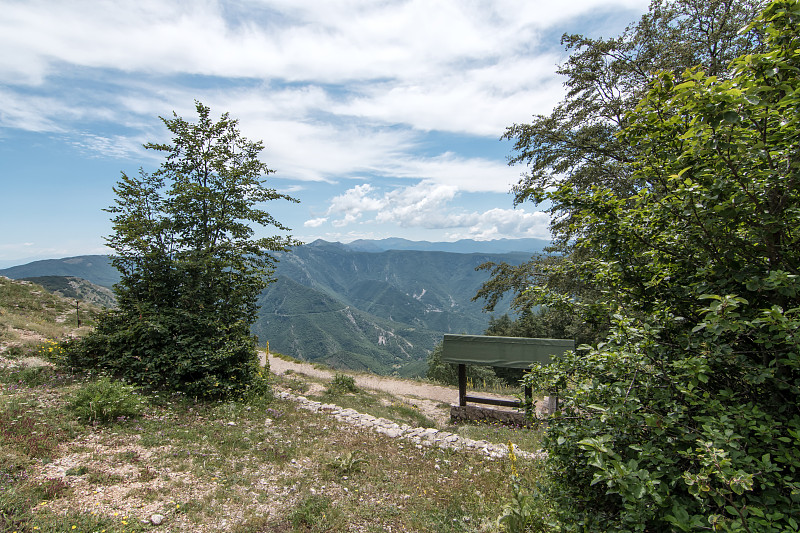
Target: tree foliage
{"points": [[191, 266], [577, 147], [688, 416]]}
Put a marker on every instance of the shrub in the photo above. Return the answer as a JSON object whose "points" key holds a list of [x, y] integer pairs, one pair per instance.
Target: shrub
{"points": [[105, 401], [342, 383]]}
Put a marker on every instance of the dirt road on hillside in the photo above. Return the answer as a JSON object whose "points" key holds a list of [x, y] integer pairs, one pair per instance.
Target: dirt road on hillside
{"points": [[433, 400]]}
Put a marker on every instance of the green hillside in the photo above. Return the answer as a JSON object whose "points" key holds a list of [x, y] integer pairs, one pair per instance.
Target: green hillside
{"points": [[29, 315], [309, 325]]}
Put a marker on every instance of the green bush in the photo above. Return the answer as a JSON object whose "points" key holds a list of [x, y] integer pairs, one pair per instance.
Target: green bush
{"points": [[342, 384], [172, 350], [105, 401]]}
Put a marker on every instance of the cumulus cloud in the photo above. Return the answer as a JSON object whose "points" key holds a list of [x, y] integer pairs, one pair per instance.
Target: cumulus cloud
{"points": [[315, 222], [337, 90], [429, 205]]}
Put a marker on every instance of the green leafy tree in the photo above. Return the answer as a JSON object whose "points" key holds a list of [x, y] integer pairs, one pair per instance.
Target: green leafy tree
{"points": [[687, 417], [191, 266], [577, 147]]}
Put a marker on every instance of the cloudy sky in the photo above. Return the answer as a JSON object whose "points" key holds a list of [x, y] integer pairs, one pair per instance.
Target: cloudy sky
{"points": [[382, 117]]}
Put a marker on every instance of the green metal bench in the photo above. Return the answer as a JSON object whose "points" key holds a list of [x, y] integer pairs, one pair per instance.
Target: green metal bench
{"points": [[509, 352]]}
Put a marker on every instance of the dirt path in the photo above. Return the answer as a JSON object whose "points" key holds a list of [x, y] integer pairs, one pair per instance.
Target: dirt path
{"points": [[433, 400]]}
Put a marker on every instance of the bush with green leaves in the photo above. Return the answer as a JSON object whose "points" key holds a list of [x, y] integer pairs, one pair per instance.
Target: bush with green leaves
{"points": [[106, 400], [687, 417], [342, 383]]}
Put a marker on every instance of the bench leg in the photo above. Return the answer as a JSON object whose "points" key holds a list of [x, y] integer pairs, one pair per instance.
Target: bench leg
{"points": [[462, 385]]}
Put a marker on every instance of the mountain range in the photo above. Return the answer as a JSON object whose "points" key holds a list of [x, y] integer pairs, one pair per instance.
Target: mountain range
{"points": [[378, 310]]}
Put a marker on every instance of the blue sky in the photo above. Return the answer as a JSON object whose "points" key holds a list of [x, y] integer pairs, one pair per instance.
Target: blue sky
{"points": [[383, 118]]}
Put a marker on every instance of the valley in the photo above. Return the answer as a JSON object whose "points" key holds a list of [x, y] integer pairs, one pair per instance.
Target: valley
{"points": [[379, 311]]}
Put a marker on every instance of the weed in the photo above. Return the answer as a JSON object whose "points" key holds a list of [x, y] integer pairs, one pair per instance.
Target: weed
{"points": [[348, 463], [77, 470], [98, 477], [297, 385], [314, 513]]}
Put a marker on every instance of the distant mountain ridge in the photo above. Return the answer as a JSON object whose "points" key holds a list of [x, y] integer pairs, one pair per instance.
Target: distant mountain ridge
{"points": [[381, 311], [463, 246]]}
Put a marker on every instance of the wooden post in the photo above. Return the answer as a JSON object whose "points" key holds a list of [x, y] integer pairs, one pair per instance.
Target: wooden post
{"points": [[462, 385], [78, 311]]}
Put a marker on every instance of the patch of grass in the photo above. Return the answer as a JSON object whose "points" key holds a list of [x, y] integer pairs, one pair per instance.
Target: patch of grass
{"points": [[528, 439], [35, 376], [296, 385], [379, 405], [31, 429], [315, 513], [99, 477], [18, 500], [274, 467], [287, 358]]}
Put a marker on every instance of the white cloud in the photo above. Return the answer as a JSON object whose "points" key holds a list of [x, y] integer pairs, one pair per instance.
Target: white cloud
{"points": [[354, 203], [452, 65], [315, 222], [427, 205], [504, 223]]}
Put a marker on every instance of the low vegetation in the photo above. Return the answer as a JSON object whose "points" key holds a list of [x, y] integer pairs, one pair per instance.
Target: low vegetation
{"points": [[224, 466]]}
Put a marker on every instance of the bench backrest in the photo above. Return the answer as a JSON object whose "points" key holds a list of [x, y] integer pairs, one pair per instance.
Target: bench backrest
{"points": [[510, 352]]}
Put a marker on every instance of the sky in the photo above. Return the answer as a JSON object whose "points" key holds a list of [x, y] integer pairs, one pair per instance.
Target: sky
{"points": [[383, 117]]}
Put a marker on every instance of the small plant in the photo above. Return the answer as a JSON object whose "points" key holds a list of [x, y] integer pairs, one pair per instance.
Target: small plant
{"points": [[348, 463], [297, 385], [78, 470], [312, 513], [342, 384], [106, 401], [518, 513]]}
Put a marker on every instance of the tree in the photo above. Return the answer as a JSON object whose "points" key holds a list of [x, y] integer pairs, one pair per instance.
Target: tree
{"points": [[191, 267], [688, 416], [577, 146]]}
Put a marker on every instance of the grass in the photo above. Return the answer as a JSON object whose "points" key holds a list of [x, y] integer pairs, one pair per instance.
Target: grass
{"points": [[230, 467]]}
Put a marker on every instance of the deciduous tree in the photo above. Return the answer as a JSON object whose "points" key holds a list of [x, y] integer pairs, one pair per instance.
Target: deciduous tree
{"points": [[191, 264], [577, 147]]}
